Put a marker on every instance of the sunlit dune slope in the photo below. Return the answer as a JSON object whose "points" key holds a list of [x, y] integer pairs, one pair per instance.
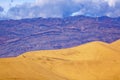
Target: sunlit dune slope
{"points": [[91, 61], [116, 45]]}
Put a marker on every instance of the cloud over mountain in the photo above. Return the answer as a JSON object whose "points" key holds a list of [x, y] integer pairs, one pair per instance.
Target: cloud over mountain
{"points": [[64, 8], [1, 9]]}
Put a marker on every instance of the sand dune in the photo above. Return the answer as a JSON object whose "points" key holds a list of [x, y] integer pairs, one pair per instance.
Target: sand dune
{"points": [[116, 45], [91, 61]]}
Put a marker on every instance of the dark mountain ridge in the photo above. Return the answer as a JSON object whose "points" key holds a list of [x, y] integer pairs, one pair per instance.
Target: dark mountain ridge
{"points": [[19, 36]]}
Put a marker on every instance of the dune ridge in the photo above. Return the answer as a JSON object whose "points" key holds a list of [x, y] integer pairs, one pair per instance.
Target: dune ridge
{"points": [[116, 45], [90, 61]]}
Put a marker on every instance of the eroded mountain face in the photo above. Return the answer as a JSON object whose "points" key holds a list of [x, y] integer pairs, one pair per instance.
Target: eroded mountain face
{"points": [[19, 36]]}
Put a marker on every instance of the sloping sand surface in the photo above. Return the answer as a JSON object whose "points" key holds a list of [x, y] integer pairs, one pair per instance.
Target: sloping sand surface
{"points": [[91, 61], [116, 45]]}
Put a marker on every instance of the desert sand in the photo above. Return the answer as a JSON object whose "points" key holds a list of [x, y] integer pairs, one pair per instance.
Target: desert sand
{"points": [[90, 61], [116, 45]]}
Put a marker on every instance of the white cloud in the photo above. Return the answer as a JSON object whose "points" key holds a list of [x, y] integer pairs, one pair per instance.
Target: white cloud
{"points": [[42, 2], [46, 2], [78, 1], [64, 8], [81, 12], [111, 3]]}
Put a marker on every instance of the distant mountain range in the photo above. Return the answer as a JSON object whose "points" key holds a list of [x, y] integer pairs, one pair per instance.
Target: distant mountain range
{"points": [[19, 36]]}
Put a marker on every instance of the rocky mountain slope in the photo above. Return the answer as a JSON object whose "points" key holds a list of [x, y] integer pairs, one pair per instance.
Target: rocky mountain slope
{"points": [[19, 36]]}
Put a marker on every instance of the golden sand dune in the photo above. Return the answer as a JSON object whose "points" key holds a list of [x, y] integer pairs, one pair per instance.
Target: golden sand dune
{"points": [[116, 45], [91, 61]]}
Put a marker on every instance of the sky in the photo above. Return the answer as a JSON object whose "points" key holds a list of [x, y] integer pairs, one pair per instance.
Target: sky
{"points": [[19, 9]]}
